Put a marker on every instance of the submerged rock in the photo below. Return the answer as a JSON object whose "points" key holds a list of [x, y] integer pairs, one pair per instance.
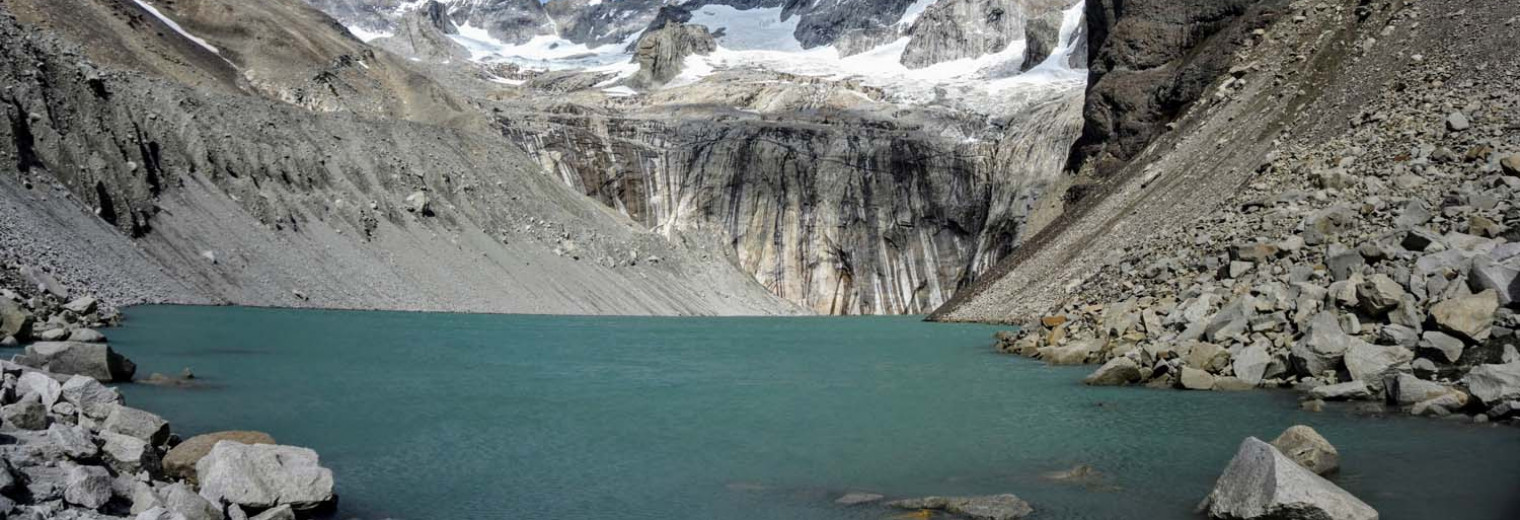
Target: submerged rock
{"points": [[851, 499], [1263, 484], [991, 507]]}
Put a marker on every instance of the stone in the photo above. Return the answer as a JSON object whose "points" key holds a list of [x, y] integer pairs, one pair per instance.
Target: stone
{"points": [[1207, 356], [136, 423], [1444, 346], [74, 442], [1323, 345], [87, 336], [1310, 450], [1343, 261], [89, 395], [181, 460], [259, 476], [87, 486], [1075, 353], [1511, 165], [1486, 274], [58, 334], [1231, 384], [1372, 363], [1232, 320], [127, 454], [1457, 122], [82, 305], [38, 383], [14, 320], [1470, 317], [96, 360], [1253, 364], [1379, 294], [1440, 405], [1351, 390], [850, 499], [183, 500], [28, 414], [159, 513], [1117, 371], [992, 507], [277, 513], [1484, 226], [419, 203], [1256, 252], [1419, 239], [1195, 379], [1494, 383], [1261, 483]]}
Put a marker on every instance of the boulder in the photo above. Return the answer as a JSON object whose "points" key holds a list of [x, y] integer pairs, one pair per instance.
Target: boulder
{"points": [[1207, 356], [1117, 371], [851, 499], [28, 414], [1195, 379], [96, 360], [82, 305], [1486, 274], [260, 476], [1371, 363], [183, 500], [1310, 450], [72, 441], [1494, 383], [1342, 391], [1408, 389], [992, 507], [1343, 261], [87, 336], [1323, 345], [1253, 364], [1255, 252], [1445, 347], [1457, 122], [87, 486], [127, 454], [1075, 353], [419, 203], [1379, 294], [1470, 316], [159, 513], [1231, 320], [1511, 165], [1261, 483], [138, 424], [180, 462], [38, 383], [14, 320], [89, 395]]}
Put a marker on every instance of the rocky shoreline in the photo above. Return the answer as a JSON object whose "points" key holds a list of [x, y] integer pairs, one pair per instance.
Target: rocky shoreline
{"points": [[71, 449]]}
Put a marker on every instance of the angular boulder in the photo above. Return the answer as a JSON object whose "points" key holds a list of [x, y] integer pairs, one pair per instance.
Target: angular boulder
{"points": [[127, 454], [1075, 353], [38, 383], [138, 424], [89, 395], [1261, 483], [28, 414], [96, 360], [180, 462], [1308, 448], [1342, 391], [182, 499], [260, 476], [1470, 317], [1117, 371], [277, 513], [1372, 363], [991, 507], [14, 320], [1493, 384], [1409, 390], [1323, 345], [87, 486]]}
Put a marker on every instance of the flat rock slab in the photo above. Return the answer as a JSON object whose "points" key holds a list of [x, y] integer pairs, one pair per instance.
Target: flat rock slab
{"points": [[991, 507]]}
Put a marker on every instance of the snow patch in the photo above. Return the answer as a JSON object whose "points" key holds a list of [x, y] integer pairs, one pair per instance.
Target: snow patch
{"points": [[620, 91], [175, 25], [544, 52], [749, 29], [914, 10], [366, 35]]}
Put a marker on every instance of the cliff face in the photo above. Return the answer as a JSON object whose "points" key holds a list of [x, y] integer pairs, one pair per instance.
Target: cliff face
{"points": [[843, 213], [142, 189]]}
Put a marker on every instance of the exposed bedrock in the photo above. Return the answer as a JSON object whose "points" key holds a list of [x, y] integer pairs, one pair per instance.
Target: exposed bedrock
{"points": [[662, 52], [844, 216], [955, 29], [423, 34]]}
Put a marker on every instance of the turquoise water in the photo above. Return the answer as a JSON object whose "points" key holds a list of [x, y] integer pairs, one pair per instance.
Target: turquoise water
{"points": [[440, 416]]}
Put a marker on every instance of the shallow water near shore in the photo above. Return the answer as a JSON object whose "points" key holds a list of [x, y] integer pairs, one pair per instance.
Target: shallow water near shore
{"points": [[453, 416]]}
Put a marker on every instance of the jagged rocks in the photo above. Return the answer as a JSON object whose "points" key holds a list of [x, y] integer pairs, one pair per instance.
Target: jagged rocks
{"points": [[95, 360], [1117, 371], [1323, 346], [1306, 446], [260, 476], [180, 462], [992, 507], [1371, 363], [137, 424], [87, 486], [1261, 483], [127, 454]]}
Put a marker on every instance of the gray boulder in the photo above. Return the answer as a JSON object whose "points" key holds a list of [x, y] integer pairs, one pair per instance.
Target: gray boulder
{"points": [[73, 442], [260, 476], [1263, 484], [1308, 448], [128, 454], [1408, 390], [1444, 346], [1253, 364], [1470, 316], [992, 507], [183, 500], [1323, 345], [1486, 274], [96, 360], [14, 320], [851, 499], [90, 396], [1494, 383], [180, 462], [138, 424], [27, 414], [1372, 363], [82, 305], [276, 513], [38, 383], [1117, 371], [87, 336], [1342, 391], [87, 486], [1195, 379]]}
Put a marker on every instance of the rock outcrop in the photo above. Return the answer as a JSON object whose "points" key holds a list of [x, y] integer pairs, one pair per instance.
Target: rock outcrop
{"points": [[423, 34], [956, 29], [662, 52], [263, 476]]}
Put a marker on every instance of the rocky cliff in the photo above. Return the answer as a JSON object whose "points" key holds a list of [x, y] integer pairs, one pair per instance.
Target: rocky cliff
{"points": [[139, 187]]}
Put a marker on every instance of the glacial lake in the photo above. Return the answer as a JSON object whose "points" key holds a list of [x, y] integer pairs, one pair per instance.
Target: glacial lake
{"points": [[452, 416]]}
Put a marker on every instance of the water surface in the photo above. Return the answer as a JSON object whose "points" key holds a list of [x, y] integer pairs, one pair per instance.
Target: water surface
{"points": [[448, 416]]}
